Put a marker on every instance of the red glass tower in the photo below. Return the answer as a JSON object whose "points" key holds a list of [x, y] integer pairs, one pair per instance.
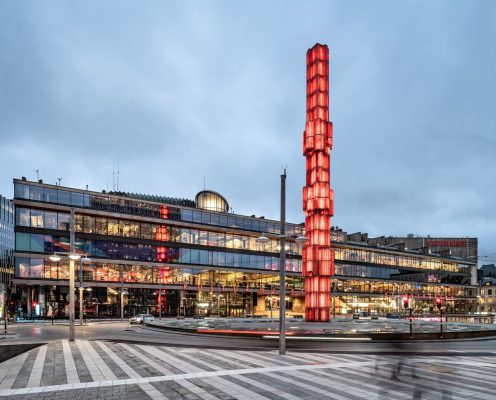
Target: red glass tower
{"points": [[318, 204]]}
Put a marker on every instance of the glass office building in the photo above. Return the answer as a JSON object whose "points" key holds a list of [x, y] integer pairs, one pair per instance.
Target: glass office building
{"points": [[204, 260], [6, 242]]}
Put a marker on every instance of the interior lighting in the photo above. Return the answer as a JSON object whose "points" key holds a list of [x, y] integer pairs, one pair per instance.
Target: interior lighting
{"points": [[74, 256], [262, 239], [301, 239], [55, 257]]}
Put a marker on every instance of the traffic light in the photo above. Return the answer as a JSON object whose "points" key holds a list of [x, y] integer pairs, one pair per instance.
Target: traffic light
{"points": [[439, 303], [405, 302]]}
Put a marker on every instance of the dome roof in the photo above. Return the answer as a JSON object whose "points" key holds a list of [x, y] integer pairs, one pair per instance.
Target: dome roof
{"points": [[212, 201]]}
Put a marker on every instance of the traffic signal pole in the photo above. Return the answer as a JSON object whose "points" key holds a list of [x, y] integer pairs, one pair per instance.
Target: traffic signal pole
{"points": [[439, 305], [411, 324], [441, 323]]}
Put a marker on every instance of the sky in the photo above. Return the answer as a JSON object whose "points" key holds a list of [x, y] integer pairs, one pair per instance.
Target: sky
{"points": [[182, 95]]}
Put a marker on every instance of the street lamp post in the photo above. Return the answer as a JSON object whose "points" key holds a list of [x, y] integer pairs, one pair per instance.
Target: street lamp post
{"points": [[73, 256], [282, 264], [282, 269], [122, 293], [160, 277], [218, 299], [81, 261], [478, 307]]}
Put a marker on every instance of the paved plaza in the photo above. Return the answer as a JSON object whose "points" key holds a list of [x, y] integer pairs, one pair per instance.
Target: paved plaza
{"points": [[110, 370]]}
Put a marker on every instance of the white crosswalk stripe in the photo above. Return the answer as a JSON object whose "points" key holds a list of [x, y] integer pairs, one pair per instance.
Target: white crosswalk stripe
{"points": [[70, 366], [95, 372], [146, 360], [37, 371], [11, 369], [163, 373]]}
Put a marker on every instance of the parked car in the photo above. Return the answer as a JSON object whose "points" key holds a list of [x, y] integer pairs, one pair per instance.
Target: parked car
{"points": [[141, 318]]}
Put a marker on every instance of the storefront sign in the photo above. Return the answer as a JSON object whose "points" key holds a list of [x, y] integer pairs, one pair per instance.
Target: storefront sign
{"points": [[446, 243]]}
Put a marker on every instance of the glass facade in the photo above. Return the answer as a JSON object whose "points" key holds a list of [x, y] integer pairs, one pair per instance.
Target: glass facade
{"points": [[115, 204], [6, 241], [206, 262]]}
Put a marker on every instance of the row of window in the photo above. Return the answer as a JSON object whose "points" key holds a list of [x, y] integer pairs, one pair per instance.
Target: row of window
{"points": [[132, 229], [6, 210], [374, 257], [365, 271], [210, 280], [393, 290], [135, 207], [142, 252], [109, 272]]}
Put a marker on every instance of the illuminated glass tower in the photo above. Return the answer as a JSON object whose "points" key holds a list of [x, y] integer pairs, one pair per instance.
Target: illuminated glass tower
{"points": [[318, 258]]}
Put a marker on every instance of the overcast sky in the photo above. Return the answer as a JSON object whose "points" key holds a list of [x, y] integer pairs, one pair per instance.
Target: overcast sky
{"points": [[173, 92]]}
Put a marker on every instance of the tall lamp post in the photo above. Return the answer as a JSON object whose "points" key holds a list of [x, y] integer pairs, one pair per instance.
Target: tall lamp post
{"points": [[73, 256], [282, 263], [82, 261]]}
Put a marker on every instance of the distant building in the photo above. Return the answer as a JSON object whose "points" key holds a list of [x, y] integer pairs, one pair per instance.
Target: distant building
{"points": [[487, 271], [462, 247], [6, 246], [488, 296]]}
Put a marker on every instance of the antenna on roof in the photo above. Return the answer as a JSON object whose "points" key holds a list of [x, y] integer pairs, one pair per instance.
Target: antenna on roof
{"points": [[37, 174], [113, 177], [60, 180], [117, 176], [203, 182]]}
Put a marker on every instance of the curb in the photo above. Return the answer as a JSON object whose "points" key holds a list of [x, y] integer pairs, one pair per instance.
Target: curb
{"points": [[424, 336]]}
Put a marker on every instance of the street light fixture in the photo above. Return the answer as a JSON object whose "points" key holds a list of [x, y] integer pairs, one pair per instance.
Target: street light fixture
{"points": [[282, 263], [82, 260]]}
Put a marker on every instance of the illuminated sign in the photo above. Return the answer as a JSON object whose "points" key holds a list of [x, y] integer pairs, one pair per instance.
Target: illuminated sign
{"points": [[446, 243]]}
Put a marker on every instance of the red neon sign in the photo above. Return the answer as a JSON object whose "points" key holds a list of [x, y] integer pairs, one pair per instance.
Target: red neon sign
{"points": [[446, 243]]}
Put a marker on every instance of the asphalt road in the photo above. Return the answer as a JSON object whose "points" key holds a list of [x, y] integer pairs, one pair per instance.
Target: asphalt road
{"points": [[124, 332]]}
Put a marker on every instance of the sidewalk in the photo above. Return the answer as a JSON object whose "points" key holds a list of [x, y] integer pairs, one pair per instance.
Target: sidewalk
{"points": [[109, 370], [66, 321]]}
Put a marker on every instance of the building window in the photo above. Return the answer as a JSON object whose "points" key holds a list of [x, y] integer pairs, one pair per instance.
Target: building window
{"points": [[23, 216]]}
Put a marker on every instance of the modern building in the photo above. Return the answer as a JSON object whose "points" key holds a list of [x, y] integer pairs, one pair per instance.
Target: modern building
{"points": [[205, 260], [463, 247], [487, 271], [488, 297], [6, 251], [487, 293]]}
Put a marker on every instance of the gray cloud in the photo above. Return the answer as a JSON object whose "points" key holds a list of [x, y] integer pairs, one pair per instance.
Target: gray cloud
{"points": [[175, 91]]}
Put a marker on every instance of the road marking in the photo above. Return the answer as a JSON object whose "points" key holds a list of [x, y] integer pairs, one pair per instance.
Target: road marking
{"points": [[199, 374], [318, 338], [70, 365], [12, 368], [37, 370]]}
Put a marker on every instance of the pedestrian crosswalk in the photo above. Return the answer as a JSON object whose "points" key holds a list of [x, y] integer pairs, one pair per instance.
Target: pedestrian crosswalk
{"points": [[104, 369]]}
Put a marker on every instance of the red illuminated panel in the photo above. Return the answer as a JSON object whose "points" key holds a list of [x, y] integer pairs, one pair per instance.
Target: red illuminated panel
{"points": [[164, 212], [318, 197], [162, 235]]}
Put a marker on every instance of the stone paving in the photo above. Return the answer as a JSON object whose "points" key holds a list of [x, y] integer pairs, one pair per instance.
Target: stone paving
{"points": [[109, 370]]}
